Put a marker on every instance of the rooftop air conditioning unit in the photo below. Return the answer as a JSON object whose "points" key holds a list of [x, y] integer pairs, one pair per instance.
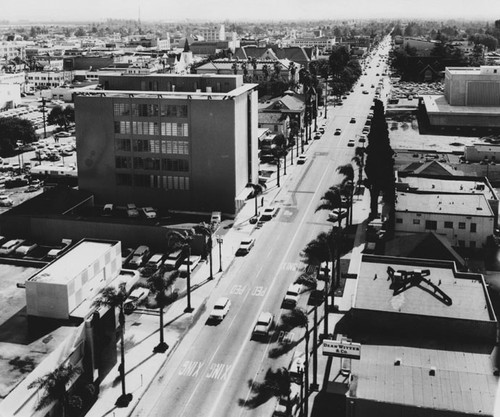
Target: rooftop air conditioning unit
{"points": [[432, 371]]}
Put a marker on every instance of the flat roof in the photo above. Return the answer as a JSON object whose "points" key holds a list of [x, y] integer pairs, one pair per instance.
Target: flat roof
{"points": [[463, 381], [452, 185], [467, 291], [435, 104], [74, 261], [454, 204]]}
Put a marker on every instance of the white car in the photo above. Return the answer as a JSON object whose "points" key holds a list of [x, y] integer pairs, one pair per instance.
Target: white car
{"points": [[25, 248], [9, 247], [336, 214], [245, 246], [5, 201], [268, 213], [149, 212], [134, 298], [193, 261], [263, 325], [292, 295], [220, 310], [132, 210], [139, 256], [301, 159]]}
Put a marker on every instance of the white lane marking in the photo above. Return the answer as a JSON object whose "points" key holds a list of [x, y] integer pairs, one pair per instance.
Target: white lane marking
{"points": [[222, 391], [259, 291], [218, 371]]}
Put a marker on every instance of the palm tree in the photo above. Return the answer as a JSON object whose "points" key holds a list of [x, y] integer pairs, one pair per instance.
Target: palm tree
{"points": [[206, 229], [331, 200], [54, 385], [302, 320], [347, 185], [182, 240], [316, 252], [159, 283], [257, 189], [359, 160], [113, 297]]}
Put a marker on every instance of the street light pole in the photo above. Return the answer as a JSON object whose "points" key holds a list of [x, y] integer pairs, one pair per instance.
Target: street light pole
{"points": [[220, 241], [44, 124]]}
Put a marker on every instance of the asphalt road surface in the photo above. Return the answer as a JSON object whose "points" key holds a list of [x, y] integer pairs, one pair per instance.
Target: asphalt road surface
{"points": [[215, 367]]}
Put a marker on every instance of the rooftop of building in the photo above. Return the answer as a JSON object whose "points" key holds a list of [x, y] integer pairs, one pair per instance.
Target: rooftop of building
{"points": [[453, 204], [74, 262], [473, 70], [287, 102], [463, 381], [452, 185], [428, 168], [435, 104], [467, 291]]}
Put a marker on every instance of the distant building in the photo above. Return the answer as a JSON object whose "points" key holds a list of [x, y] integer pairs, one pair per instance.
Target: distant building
{"points": [[177, 142], [10, 96], [215, 33], [471, 99]]}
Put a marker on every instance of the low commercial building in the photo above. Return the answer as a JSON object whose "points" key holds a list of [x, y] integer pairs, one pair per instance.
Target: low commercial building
{"points": [[467, 220], [73, 280], [478, 152], [427, 336]]}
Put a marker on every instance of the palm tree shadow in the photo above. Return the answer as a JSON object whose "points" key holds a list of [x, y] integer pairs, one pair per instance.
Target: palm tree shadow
{"points": [[260, 395], [283, 348]]}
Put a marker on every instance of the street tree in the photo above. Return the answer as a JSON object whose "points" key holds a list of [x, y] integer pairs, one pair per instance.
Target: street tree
{"points": [[54, 386], [331, 200], [160, 283], [13, 129], [347, 186], [182, 240], [257, 189], [112, 297], [207, 230], [379, 166]]}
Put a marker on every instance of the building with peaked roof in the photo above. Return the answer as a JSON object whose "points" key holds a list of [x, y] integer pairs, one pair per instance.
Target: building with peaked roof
{"points": [[287, 108], [424, 246], [428, 168], [427, 335], [175, 142], [298, 54]]}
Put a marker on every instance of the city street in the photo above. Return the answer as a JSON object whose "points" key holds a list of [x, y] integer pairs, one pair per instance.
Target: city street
{"points": [[213, 369]]}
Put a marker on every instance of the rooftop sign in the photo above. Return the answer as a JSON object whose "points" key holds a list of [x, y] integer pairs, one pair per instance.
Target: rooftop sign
{"points": [[341, 349]]}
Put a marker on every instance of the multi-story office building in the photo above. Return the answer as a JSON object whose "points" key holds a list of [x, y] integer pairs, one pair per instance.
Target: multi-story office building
{"points": [[177, 142], [472, 86]]}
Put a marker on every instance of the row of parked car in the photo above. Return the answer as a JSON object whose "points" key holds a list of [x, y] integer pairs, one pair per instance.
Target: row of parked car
{"points": [[24, 248]]}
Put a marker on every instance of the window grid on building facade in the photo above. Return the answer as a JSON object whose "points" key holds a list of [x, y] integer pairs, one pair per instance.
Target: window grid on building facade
{"points": [[167, 182]]}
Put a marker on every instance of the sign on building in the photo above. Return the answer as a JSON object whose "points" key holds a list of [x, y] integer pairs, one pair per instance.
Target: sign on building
{"points": [[341, 349]]}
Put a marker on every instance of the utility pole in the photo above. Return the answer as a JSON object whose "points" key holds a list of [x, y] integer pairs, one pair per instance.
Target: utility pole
{"points": [[44, 124]]}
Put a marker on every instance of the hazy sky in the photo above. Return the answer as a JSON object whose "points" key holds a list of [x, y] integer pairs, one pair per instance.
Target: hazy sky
{"points": [[218, 10]]}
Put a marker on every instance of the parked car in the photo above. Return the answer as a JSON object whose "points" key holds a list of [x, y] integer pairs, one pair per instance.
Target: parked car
{"points": [[321, 130], [62, 135], [263, 326], [302, 159], [132, 210], [32, 188], [317, 135], [107, 209], [336, 214], [362, 139], [220, 310], [149, 212], [292, 295], [245, 246], [268, 214], [365, 92], [133, 300], [55, 252], [139, 256], [25, 248], [366, 130], [5, 201], [173, 260], [193, 261], [10, 246], [155, 261]]}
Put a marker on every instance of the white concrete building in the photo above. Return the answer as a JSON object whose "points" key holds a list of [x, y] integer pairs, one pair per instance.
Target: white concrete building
{"points": [[10, 96], [465, 219], [74, 280], [482, 151], [48, 78], [472, 86]]}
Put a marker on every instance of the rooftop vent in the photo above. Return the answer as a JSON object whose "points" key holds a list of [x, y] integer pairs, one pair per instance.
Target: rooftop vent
{"points": [[397, 362], [432, 371]]}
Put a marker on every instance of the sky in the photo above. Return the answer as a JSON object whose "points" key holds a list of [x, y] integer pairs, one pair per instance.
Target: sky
{"points": [[245, 10]]}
